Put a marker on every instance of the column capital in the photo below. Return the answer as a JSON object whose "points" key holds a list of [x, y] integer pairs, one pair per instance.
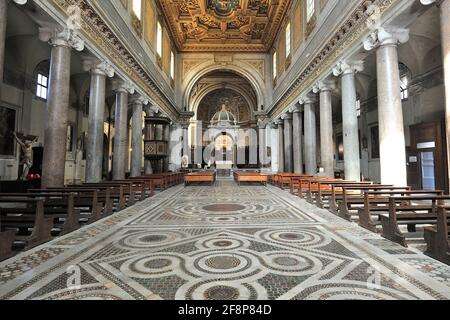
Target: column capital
{"points": [[97, 66], [287, 116], [385, 36], [185, 119], [309, 98], [273, 125], [279, 122], [324, 85], [58, 36], [123, 86], [262, 119], [150, 110], [348, 67], [139, 100], [296, 109], [21, 2]]}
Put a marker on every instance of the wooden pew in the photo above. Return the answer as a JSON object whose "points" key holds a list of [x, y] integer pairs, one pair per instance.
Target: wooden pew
{"points": [[205, 176], [243, 176], [326, 190], [25, 213], [159, 180], [58, 206], [87, 201], [307, 185], [133, 191], [376, 202], [437, 237], [6, 242], [404, 210], [350, 201], [287, 178], [119, 193]]}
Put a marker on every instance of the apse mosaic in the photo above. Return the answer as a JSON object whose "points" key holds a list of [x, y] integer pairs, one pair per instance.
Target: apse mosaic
{"points": [[177, 246]]}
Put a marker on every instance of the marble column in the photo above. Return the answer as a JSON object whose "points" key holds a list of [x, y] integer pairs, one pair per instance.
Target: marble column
{"points": [[326, 127], [281, 150], [174, 147], [310, 142], [262, 138], [445, 36], [54, 160], [198, 149], [185, 134], [122, 90], [136, 136], [94, 148], [390, 110], [150, 111], [352, 163], [297, 139], [288, 155]]}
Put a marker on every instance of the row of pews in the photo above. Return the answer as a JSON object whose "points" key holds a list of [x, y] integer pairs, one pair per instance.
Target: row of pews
{"points": [[251, 177], [208, 176], [33, 218], [395, 212]]}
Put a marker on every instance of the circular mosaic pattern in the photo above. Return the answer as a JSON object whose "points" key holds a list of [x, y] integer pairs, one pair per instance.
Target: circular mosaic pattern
{"points": [[290, 236], [222, 243], [157, 263], [307, 237], [227, 265], [149, 239], [226, 207], [341, 291], [287, 263], [153, 238], [213, 289], [221, 293], [152, 266], [223, 262]]}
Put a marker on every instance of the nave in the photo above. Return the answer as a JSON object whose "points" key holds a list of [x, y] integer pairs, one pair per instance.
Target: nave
{"points": [[224, 242]]}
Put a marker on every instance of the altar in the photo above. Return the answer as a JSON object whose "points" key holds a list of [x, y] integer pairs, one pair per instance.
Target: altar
{"points": [[224, 168]]}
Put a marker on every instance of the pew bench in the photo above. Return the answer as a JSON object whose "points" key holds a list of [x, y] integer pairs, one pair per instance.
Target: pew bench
{"points": [[207, 176], [250, 177], [437, 236], [411, 211]]}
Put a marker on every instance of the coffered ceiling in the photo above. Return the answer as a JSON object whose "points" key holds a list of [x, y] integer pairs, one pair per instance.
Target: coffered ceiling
{"points": [[224, 25]]}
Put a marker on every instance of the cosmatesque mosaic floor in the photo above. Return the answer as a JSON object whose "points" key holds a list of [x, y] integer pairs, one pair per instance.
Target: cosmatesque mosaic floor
{"points": [[223, 242]]}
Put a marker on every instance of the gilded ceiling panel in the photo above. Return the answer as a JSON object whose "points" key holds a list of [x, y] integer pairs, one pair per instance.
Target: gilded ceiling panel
{"points": [[224, 25]]}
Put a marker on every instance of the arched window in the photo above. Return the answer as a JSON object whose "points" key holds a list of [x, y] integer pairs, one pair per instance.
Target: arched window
{"points": [[274, 63], [310, 9], [137, 8], [172, 65], [405, 80], [288, 40], [159, 39], [41, 79]]}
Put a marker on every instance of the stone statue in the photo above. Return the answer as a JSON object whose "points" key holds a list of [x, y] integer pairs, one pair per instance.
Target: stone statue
{"points": [[27, 154]]}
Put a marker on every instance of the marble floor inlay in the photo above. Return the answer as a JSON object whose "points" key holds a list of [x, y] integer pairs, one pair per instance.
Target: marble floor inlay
{"points": [[224, 242]]}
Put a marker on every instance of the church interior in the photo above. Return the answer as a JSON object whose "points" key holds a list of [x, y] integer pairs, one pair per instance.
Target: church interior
{"points": [[224, 149]]}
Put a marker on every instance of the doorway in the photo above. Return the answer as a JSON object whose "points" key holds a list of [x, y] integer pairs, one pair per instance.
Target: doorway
{"points": [[428, 169]]}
